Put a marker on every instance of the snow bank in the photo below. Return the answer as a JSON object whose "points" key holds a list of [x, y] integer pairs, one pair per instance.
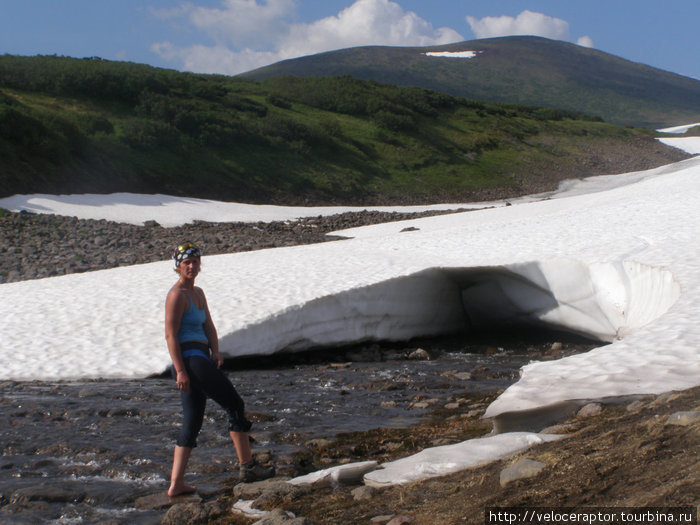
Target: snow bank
{"points": [[679, 129], [349, 474], [438, 461], [603, 301], [169, 211], [688, 144]]}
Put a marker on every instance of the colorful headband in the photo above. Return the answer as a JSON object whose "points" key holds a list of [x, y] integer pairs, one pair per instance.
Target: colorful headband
{"points": [[185, 251]]}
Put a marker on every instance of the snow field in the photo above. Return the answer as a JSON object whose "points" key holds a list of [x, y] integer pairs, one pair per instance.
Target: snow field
{"points": [[612, 257]]}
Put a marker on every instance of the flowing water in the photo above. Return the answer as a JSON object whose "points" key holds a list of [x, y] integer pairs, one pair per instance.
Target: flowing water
{"points": [[91, 451]]}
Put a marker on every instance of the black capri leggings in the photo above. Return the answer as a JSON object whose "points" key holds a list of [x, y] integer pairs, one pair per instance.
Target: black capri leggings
{"points": [[206, 380]]}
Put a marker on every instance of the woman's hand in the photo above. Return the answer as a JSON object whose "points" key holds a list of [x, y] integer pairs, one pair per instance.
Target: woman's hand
{"points": [[183, 381], [217, 359]]}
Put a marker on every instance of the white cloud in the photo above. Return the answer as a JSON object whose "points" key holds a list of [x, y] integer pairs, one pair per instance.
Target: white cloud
{"points": [[248, 34], [526, 23], [585, 41], [244, 22]]}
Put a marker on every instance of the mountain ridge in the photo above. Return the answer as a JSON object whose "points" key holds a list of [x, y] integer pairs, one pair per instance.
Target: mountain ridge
{"points": [[520, 70]]}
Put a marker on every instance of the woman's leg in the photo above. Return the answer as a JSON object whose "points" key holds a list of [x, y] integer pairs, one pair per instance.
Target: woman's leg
{"points": [[217, 386], [177, 478], [242, 445], [193, 405]]}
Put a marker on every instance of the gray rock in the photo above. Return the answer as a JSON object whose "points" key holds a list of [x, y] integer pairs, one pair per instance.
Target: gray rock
{"points": [[685, 418], [282, 517], [194, 513], [364, 492], [279, 493], [590, 410], [254, 490], [524, 468]]}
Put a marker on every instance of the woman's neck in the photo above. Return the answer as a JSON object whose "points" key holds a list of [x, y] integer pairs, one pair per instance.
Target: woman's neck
{"points": [[187, 284]]}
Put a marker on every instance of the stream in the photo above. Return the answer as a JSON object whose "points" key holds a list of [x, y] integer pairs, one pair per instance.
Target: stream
{"points": [[89, 451]]}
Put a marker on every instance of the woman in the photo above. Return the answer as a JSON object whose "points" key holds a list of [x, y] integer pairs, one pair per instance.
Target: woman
{"points": [[194, 349]]}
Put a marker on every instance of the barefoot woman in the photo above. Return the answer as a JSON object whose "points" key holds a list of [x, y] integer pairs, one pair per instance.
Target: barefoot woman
{"points": [[194, 349]]}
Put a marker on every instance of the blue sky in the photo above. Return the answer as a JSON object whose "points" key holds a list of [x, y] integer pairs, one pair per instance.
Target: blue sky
{"points": [[232, 36]]}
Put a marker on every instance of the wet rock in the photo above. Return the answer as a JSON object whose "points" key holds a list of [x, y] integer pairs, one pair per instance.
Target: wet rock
{"points": [[419, 355], [194, 513], [51, 493], [161, 500], [524, 468]]}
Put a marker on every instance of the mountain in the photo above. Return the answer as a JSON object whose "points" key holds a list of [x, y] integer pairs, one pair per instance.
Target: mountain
{"points": [[94, 126], [519, 70]]}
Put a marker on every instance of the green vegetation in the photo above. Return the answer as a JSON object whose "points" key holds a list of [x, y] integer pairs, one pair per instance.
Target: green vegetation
{"points": [[90, 125]]}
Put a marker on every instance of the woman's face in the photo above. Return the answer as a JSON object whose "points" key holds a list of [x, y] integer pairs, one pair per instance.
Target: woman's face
{"points": [[190, 267]]}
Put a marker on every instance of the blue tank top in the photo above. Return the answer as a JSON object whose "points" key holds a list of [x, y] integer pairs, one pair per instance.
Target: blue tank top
{"points": [[192, 324]]}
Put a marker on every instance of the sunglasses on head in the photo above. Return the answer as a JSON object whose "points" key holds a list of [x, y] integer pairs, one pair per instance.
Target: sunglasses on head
{"points": [[184, 247]]}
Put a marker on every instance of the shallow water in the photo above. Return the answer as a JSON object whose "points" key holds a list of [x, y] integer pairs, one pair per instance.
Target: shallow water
{"points": [[86, 451]]}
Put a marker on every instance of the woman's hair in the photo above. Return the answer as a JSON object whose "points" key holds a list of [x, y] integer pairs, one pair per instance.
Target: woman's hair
{"points": [[184, 251]]}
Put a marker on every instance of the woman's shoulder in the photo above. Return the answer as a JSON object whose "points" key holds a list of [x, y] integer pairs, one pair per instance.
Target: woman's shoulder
{"points": [[176, 294]]}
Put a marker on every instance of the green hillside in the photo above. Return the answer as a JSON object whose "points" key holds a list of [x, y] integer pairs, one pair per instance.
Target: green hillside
{"points": [[520, 70], [90, 125]]}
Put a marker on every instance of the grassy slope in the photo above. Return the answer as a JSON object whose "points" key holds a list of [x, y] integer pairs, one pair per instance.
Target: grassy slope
{"points": [[522, 70], [69, 126]]}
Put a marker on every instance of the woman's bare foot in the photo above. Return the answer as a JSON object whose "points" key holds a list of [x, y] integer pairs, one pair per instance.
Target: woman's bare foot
{"points": [[179, 490]]}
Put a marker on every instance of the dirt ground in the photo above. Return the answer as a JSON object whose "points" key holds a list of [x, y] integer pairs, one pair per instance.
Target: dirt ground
{"points": [[626, 456]]}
